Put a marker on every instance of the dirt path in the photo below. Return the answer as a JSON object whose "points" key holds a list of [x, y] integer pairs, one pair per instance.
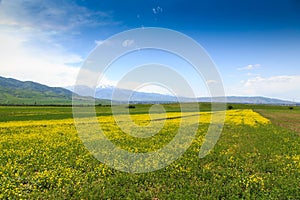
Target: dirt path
{"points": [[285, 118]]}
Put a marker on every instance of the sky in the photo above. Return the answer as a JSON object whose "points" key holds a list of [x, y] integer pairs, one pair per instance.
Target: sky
{"points": [[254, 44]]}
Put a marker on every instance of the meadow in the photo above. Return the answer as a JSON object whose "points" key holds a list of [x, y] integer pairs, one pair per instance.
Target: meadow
{"points": [[256, 157]]}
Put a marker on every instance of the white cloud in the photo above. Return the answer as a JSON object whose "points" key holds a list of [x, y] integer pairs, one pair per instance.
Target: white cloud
{"points": [[29, 38], [145, 87], [50, 15], [151, 88], [284, 87], [104, 81], [211, 81], [157, 10], [98, 42], [250, 67], [251, 74], [17, 62], [127, 43], [274, 83]]}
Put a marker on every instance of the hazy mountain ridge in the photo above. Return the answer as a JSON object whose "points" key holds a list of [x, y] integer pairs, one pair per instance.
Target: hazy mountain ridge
{"points": [[123, 94], [143, 97], [13, 91], [249, 100]]}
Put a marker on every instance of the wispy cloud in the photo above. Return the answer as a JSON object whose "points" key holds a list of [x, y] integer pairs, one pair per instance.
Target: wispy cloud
{"points": [[50, 15], [127, 43], [275, 86], [150, 88], [52, 69], [276, 82], [211, 82], [251, 74], [98, 42], [157, 10], [32, 35], [249, 67]]}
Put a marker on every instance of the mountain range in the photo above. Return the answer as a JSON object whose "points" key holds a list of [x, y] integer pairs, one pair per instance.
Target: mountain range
{"points": [[106, 92], [17, 92], [13, 91]]}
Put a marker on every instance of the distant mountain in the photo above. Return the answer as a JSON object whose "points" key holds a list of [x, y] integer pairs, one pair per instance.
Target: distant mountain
{"points": [[143, 97], [248, 100], [13, 91], [123, 94]]}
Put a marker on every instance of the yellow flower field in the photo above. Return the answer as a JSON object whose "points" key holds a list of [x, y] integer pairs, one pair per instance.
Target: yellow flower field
{"points": [[238, 117], [46, 159]]}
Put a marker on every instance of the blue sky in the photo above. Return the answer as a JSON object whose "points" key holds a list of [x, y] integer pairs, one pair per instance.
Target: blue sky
{"points": [[255, 44]]}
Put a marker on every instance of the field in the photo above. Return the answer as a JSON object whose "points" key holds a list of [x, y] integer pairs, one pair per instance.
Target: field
{"points": [[256, 157], [286, 118]]}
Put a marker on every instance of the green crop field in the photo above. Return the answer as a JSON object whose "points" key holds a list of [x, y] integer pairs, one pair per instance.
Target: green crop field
{"points": [[256, 157]]}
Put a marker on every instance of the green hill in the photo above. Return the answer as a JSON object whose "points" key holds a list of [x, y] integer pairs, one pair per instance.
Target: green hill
{"points": [[13, 92]]}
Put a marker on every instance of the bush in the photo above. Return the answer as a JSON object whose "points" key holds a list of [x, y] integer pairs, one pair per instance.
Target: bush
{"points": [[230, 107], [130, 106], [291, 108]]}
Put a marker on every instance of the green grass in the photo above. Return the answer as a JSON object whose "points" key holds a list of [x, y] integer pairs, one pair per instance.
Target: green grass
{"points": [[21, 113], [48, 161]]}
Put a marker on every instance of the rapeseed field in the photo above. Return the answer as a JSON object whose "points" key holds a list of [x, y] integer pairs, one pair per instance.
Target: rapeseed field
{"points": [[253, 159]]}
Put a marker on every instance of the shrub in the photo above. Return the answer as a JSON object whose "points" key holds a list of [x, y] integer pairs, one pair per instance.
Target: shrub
{"points": [[230, 107]]}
